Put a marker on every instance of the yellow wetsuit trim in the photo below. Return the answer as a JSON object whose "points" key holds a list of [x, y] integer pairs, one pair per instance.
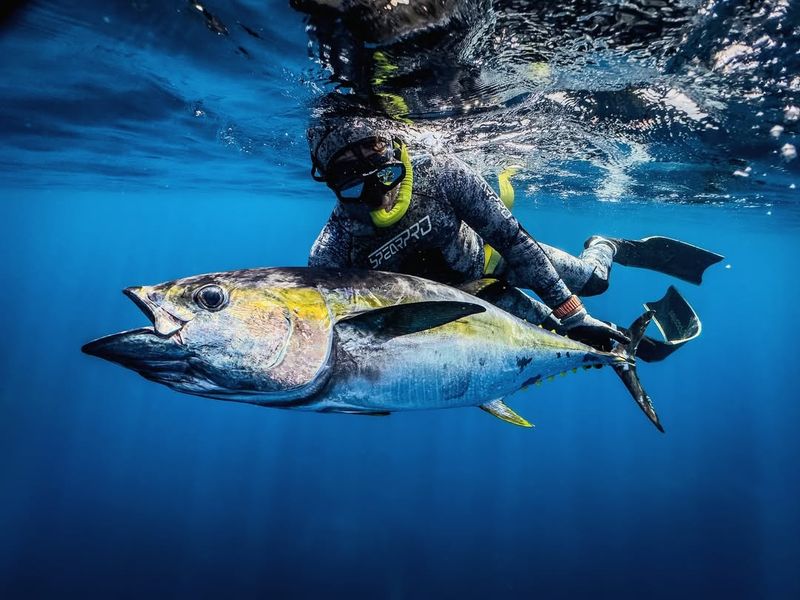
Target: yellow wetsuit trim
{"points": [[394, 104], [491, 257], [383, 218], [506, 189]]}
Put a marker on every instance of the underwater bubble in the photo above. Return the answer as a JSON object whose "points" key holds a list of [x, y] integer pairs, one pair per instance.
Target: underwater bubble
{"points": [[776, 131], [791, 114], [788, 152]]}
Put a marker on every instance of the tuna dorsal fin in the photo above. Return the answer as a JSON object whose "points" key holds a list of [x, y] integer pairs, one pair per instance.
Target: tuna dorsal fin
{"points": [[500, 410], [474, 288], [402, 319]]}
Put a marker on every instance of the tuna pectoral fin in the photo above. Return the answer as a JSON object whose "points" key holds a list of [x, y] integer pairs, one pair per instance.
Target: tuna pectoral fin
{"points": [[627, 371], [402, 319], [501, 411]]}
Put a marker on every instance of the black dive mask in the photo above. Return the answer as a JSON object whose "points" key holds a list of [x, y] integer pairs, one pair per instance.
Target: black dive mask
{"points": [[365, 176]]}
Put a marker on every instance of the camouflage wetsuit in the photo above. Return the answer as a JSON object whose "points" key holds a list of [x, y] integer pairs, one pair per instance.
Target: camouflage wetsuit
{"points": [[453, 212]]}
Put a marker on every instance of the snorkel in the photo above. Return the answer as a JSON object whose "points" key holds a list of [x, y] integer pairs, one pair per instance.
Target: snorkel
{"points": [[385, 218]]}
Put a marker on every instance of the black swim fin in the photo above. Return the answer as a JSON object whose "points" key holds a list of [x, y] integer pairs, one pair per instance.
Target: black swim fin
{"points": [[676, 320], [665, 255]]}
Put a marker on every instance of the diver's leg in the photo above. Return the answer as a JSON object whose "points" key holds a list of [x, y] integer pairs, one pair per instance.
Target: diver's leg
{"points": [[587, 274]]}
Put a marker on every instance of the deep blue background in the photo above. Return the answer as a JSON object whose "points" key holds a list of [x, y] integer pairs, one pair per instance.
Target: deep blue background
{"points": [[112, 486]]}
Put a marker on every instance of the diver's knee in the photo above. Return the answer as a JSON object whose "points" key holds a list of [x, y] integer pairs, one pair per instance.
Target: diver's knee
{"points": [[595, 285]]}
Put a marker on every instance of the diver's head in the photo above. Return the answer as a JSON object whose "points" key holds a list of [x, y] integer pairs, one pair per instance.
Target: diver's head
{"points": [[360, 162], [367, 172]]}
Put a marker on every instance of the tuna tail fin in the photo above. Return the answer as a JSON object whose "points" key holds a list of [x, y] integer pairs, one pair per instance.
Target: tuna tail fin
{"points": [[627, 371]]}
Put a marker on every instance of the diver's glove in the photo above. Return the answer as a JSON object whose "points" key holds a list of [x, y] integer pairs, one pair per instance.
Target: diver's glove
{"points": [[579, 325]]}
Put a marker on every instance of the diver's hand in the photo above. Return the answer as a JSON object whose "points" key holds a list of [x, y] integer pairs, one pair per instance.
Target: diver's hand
{"points": [[581, 326]]}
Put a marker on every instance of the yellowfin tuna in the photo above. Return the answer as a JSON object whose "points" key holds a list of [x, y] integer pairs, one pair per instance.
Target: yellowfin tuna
{"points": [[363, 342]]}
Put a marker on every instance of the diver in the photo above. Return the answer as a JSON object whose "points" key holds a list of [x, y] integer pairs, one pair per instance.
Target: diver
{"points": [[435, 217]]}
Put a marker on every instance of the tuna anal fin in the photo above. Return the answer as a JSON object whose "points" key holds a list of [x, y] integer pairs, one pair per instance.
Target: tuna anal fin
{"points": [[403, 319], [499, 409]]}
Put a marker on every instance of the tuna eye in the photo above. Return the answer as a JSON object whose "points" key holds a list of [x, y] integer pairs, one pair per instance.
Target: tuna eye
{"points": [[211, 297]]}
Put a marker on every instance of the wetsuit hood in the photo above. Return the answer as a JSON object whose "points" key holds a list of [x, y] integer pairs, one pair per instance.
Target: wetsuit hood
{"points": [[327, 138]]}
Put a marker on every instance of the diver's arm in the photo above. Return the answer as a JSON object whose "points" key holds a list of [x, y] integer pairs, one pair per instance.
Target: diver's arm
{"points": [[332, 246], [478, 206]]}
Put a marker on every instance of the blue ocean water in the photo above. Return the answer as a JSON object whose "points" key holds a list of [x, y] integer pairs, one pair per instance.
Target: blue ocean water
{"points": [[140, 145]]}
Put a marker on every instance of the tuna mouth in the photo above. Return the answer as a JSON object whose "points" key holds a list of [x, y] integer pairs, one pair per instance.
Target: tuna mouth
{"points": [[154, 352], [144, 351], [164, 323]]}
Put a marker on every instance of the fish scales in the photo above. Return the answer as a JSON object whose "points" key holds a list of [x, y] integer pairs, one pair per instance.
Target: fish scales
{"points": [[336, 340]]}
